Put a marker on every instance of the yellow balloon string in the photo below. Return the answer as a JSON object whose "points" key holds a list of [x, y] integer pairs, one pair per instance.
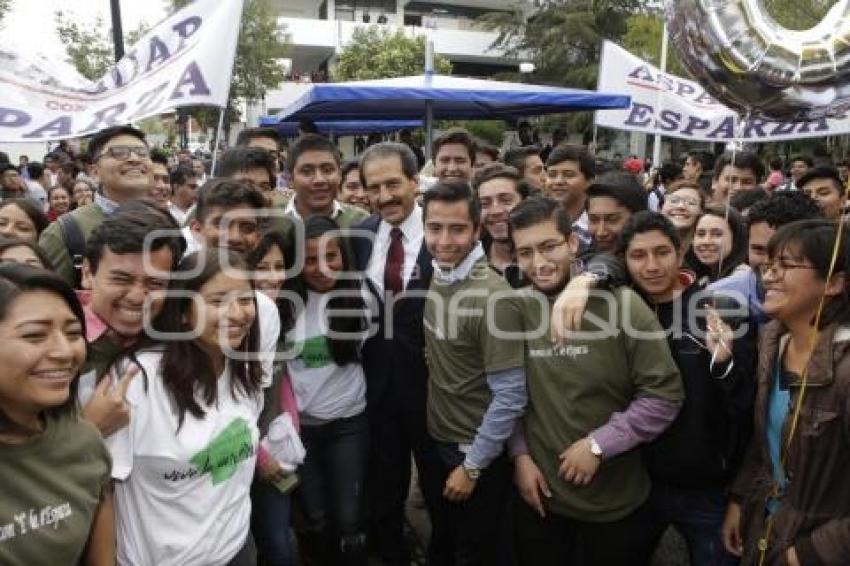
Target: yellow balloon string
{"points": [[804, 378]]}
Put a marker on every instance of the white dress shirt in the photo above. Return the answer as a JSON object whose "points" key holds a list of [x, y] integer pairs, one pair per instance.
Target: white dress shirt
{"points": [[412, 234]]}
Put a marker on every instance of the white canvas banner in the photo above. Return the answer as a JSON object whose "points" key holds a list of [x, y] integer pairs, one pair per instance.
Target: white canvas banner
{"points": [[186, 60], [672, 106]]}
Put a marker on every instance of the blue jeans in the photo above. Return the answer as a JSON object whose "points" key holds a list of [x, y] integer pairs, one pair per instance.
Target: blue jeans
{"points": [[697, 514], [332, 490], [270, 519]]}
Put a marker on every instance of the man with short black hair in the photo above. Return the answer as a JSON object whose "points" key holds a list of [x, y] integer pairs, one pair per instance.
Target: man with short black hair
{"points": [[611, 200], [731, 176], [825, 186], [592, 404], [123, 165], [454, 155], [799, 165], [184, 192], [11, 183], [128, 263], [476, 380], [485, 154], [227, 215], [693, 462], [314, 166], [527, 161], [696, 164], [764, 219], [569, 171], [160, 190]]}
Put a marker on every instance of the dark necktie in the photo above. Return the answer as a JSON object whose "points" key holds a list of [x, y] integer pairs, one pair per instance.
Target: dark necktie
{"points": [[395, 263]]}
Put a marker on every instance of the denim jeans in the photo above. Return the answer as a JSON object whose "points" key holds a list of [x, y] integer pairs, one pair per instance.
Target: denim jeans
{"points": [[270, 524], [697, 514], [332, 490]]}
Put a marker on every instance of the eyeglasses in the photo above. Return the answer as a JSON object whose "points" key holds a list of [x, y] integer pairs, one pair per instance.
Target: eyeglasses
{"points": [[675, 200], [779, 268], [122, 152], [546, 249]]}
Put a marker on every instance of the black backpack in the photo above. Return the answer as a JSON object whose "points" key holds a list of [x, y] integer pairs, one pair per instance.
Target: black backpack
{"points": [[72, 234]]}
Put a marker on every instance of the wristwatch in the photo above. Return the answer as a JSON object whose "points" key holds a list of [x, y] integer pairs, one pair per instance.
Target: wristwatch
{"points": [[471, 472], [595, 449]]}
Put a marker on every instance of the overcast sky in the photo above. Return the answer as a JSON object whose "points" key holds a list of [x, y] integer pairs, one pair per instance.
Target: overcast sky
{"points": [[30, 23]]}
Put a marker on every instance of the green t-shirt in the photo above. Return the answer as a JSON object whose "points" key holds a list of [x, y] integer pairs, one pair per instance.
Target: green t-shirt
{"points": [[461, 347], [574, 389], [51, 488]]}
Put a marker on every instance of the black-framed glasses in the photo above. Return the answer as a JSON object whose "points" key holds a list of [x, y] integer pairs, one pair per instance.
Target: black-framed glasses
{"points": [[780, 267], [122, 152]]}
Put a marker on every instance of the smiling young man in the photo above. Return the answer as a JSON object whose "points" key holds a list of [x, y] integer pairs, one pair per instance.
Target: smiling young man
{"points": [[732, 177], [122, 163], [499, 189], [397, 270], [569, 171], [227, 215], [124, 273], [527, 161], [314, 166], [476, 380], [825, 186], [693, 462], [591, 404], [454, 155], [184, 192]]}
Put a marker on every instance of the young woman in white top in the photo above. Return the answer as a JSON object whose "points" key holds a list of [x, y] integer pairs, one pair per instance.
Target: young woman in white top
{"points": [[330, 390], [185, 463]]}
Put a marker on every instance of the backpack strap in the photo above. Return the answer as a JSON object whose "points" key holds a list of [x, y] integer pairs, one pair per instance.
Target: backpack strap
{"points": [[72, 235]]}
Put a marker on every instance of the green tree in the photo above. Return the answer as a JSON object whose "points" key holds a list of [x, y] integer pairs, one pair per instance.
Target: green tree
{"points": [[256, 68], [643, 39], [4, 7], [798, 15], [375, 53], [89, 47], [563, 39]]}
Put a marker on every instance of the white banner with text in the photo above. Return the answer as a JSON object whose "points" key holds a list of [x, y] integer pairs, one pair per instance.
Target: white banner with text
{"points": [[186, 60], [672, 106]]}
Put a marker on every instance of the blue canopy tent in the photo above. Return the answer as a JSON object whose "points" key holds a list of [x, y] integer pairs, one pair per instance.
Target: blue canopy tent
{"points": [[342, 128], [431, 96]]}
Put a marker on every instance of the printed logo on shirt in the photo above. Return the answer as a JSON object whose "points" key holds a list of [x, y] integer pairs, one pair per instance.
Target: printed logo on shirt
{"points": [[222, 455], [568, 351], [314, 352], [34, 519]]}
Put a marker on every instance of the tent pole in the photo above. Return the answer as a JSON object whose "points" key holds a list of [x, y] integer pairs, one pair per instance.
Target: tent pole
{"points": [[429, 104]]}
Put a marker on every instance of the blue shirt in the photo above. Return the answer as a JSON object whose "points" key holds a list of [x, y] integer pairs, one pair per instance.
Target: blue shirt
{"points": [[778, 405]]}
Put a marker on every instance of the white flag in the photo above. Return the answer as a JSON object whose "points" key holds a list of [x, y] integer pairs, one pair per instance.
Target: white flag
{"points": [[672, 106], [186, 60]]}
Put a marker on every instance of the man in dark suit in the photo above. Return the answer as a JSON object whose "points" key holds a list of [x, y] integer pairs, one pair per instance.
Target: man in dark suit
{"points": [[396, 267]]}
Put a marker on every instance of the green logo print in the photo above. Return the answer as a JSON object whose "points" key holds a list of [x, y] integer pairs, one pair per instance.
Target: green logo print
{"points": [[315, 352], [224, 453]]}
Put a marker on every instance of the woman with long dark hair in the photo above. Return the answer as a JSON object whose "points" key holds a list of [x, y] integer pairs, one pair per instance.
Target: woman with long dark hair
{"points": [[719, 245], [56, 502], [274, 481], [22, 218], [791, 501], [188, 456], [330, 389]]}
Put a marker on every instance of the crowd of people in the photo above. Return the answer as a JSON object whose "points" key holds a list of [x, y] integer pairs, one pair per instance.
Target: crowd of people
{"points": [[207, 368]]}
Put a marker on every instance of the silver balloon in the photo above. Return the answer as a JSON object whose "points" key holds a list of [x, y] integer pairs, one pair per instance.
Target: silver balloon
{"points": [[750, 63]]}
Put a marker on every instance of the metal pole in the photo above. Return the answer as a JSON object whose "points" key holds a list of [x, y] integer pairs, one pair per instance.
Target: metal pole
{"points": [[429, 104], [117, 31], [217, 138], [656, 149]]}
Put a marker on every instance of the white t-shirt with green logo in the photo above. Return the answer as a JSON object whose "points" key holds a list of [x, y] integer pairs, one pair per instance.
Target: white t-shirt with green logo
{"points": [[323, 390], [182, 497]]}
